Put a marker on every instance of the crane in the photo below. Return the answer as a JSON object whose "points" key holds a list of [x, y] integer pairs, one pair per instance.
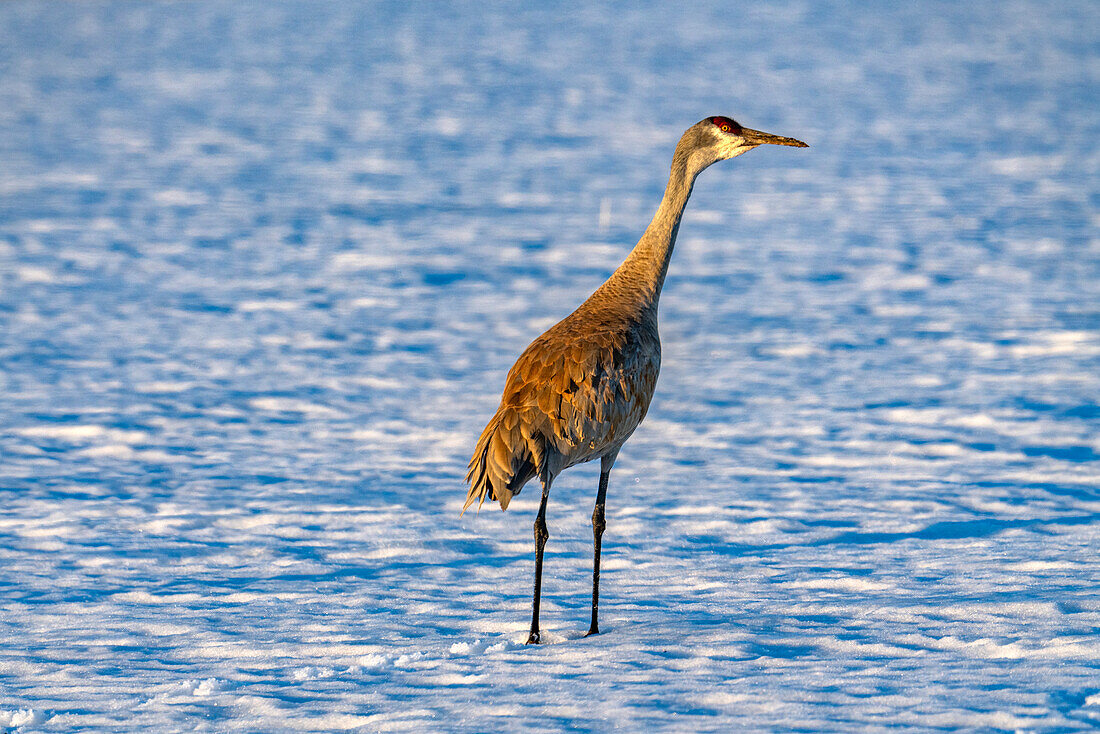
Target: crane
{"points": [[577, 393]]}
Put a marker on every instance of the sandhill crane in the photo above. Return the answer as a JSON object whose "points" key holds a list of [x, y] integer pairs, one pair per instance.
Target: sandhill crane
{"points": [[578, 391]]}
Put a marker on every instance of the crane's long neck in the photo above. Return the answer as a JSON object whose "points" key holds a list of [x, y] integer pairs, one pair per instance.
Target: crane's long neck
{"points": [[640, 277]]}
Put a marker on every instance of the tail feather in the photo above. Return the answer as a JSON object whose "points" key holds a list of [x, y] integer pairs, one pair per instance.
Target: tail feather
{"points": [[503, 462]]}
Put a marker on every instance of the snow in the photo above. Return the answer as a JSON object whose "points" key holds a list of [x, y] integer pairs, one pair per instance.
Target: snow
{"points": [[262, 271]]}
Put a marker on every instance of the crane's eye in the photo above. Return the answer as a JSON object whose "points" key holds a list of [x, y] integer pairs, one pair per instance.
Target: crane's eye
{"points": [[725, 124]]}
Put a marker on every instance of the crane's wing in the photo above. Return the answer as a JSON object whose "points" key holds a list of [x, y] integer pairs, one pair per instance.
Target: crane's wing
{"points": [[572, 395]]}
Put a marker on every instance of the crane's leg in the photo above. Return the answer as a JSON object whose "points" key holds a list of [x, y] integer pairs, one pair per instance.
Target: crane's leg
{"points": [[541, 534], [598, 526]]}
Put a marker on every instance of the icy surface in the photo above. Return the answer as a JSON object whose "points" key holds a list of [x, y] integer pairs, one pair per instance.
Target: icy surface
{"points": [[262, 270]]}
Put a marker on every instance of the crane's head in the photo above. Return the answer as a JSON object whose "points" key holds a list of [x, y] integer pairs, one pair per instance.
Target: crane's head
{"points": [[730, 139], [720, 138]]}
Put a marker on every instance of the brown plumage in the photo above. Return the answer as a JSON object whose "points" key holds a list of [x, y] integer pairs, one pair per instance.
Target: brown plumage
{"points": [[578, 391]]}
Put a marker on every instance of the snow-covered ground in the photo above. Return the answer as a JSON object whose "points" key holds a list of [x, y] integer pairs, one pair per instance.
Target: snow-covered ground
{"points": [[262, 270]]}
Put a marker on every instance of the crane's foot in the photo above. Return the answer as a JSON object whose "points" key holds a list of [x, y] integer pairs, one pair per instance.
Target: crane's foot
{"points": [[593, 630], [534, 638]]}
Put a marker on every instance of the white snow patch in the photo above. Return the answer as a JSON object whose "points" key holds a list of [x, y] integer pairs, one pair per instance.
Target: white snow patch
{"points": [[206, 687], [792, 351], [86, 432], [845, 583], [144, 597], [180, 197], [313, 673], [355, 261], [163, 387], [29, 274], [18, 718], [294, 405], [268, 305], [1027, 166], [374, 661]]}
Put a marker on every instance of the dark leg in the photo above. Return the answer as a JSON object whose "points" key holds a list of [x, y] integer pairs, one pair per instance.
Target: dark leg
{"points": [[541, 534], [598, 526]]}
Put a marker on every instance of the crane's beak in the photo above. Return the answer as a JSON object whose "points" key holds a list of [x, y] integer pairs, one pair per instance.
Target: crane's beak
{"points": [[755, 137]]}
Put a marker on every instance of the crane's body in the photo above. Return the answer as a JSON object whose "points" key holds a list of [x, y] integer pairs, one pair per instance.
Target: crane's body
{"points": [[574, 395], [580, 389]]}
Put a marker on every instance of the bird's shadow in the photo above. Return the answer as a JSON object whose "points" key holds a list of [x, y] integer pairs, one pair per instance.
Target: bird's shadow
{"points": [[944, 530]]}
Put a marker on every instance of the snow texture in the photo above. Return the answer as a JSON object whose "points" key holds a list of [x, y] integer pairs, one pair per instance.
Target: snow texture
{"points": [[263, 267]]}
